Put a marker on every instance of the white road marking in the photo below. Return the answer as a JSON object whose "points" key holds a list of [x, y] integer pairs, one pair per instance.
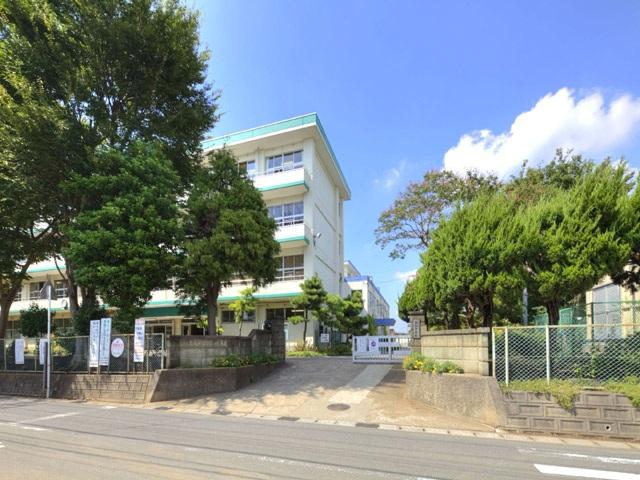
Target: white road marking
{"points": [[1, 445], [585, 473], [49, 417], [597, 458], [109, 407]]}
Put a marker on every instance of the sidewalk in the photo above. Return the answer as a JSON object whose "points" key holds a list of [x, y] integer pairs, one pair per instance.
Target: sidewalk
{"points": [[328, 389]]}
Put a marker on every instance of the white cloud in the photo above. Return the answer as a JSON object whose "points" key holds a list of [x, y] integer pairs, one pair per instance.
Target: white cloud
{"points": [[586, 124], [392, 176], [405, 276]]}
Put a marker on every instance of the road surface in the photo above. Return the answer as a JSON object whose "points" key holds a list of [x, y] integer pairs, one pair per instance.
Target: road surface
{"points": [[73, 440]]}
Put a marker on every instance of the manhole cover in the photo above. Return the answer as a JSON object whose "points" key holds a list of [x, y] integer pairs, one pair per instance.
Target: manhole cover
{"points": [[338, 406]]}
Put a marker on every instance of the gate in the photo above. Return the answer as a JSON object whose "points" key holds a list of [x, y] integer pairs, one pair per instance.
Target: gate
{"points": [[380, 349]]}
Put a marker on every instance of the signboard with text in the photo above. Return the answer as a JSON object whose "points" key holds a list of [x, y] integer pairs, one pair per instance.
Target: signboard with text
{"points": [[105, 341], [94, 343], [19, 349], [42, 350], [138, 341], [324, 338]]}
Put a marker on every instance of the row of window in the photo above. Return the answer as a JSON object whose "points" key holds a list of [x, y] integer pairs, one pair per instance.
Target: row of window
{"points": [[275, 163], [287, 213], [288, 268], [59, 290]]}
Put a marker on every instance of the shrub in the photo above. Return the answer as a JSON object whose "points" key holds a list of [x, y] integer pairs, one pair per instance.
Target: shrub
{"points": [[304, 354], [338, 349], [417, 361], [231, 361]]}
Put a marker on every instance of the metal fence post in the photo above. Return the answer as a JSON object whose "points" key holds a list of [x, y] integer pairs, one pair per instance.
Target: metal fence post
{"points": [[548, 356], [493, 351], [506, 355], [128, 352], [162, 352]]}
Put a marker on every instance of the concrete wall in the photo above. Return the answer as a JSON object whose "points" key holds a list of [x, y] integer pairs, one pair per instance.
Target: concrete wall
{"points": [[595, 413], [467, 348], [185, 383], [198, 351], [82, 386], [459, 394]]}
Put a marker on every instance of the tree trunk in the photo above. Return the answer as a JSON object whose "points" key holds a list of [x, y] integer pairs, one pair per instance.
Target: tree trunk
{"points": [[470, 310], [6, 300], [212, 292], [487, 314], [553, 311], [304, 331], [240, 329], [72, 289]]}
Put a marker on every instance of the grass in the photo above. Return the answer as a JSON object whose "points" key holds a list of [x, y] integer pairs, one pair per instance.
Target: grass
{"points": [[305, 354], [566, 392]]}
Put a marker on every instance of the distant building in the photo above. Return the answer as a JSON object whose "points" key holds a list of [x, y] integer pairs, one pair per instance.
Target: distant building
{"points": [[374, 303]]}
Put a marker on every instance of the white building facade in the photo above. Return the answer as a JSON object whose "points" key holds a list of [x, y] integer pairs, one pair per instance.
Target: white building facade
{"points": [[293, 165], [373, 300]]}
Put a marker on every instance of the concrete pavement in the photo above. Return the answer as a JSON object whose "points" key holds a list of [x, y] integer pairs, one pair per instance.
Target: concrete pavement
{"points": [[328, 389], [74, 440]]}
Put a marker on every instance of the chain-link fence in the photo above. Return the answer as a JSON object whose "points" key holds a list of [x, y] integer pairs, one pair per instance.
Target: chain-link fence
{"points": [[593, 351], [71, 354]]}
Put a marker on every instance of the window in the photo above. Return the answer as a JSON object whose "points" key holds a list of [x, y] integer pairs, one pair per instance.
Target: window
{"points": [[34, 290], [290, 267], [248, 167], [284, 161], [228, 316], [18, 294], [60, 289], [288, 213], [284, 314]]}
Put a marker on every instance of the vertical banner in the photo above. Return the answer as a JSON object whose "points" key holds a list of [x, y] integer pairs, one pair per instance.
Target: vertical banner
{"points": [[94, 343], [138, 341], [42, 350], [19, 349], [105, 341]]}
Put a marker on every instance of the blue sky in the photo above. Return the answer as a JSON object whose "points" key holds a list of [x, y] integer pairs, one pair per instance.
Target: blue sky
{"points": [[400, 86]]}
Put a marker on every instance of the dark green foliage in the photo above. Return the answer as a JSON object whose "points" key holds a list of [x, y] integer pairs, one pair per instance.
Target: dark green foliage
{"points": [[88, 311], [312, 301], [229, 234], [619, 358], [33, 321]]}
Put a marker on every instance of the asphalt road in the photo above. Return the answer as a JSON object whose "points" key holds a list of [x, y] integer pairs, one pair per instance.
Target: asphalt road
{"points": [[67, 440]]}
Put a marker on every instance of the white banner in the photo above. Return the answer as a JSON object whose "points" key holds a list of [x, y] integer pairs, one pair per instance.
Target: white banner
{"points": [[105, 341], [19, 349], [42, 350], [94, 343], [138, 341]]}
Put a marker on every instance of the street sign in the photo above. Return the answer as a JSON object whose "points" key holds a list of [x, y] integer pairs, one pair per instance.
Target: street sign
{"points": [[138, 341], [117, 347], [94, 343], [105, 340], [19, 349]]}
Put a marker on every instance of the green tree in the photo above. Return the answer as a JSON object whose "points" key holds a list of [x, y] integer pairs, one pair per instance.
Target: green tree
{"points": [[312, 301], [33, 321], [409, 223], [244, 305], [112, 72], [348, 313], [568, 239], [229, 234], [124, 243]]}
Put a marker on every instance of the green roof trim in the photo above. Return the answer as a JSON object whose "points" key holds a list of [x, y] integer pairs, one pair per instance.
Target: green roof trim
{"points": [[285, 185], [294, 239], [45, 269], [275, 127]]}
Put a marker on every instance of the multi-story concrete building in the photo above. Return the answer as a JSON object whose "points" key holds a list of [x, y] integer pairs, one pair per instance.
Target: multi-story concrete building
{"points": [[373, 300], [293, 165]]}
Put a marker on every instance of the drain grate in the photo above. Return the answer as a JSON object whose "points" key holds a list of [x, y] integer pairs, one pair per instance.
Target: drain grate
{"points": [[338, 406]]}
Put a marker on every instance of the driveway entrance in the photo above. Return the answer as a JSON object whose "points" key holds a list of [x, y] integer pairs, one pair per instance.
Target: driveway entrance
{"points": [[327, 389]]}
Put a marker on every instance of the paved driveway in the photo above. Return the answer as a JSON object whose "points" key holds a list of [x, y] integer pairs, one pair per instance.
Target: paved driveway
{"points": [[331, 389]]}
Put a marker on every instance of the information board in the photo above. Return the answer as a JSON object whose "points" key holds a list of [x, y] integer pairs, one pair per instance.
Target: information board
{"points": [[94, 343], [138, 341], [105, 341], [19, 349]]}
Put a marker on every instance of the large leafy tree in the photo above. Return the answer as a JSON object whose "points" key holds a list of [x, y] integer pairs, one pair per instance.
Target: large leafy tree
{"points": [[115, 72], [569, 239], [348, 314], [229, 234], [313, 303], [124, 243], [410, 222]]}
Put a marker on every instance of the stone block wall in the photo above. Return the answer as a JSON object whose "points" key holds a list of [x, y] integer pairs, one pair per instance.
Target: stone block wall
{"points": [[108, 387], [195, 351], [467, 348], [595, 413]]}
